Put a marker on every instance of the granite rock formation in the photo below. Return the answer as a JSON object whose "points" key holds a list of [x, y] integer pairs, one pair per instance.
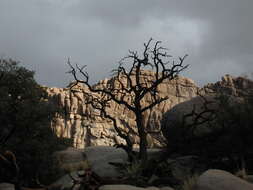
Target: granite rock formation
{"points": [[73, 119], [179, 123], [235, 86]]}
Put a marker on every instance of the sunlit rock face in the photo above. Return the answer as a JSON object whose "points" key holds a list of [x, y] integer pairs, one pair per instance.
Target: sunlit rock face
{"points": [[236, 86], [76, 120]]}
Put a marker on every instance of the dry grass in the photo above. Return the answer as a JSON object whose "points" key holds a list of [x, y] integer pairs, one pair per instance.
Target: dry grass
{"points": [[190, 183], [241, 173]]}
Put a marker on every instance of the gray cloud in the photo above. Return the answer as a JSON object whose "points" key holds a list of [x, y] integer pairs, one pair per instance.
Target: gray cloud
{"points": [[41, 34]]}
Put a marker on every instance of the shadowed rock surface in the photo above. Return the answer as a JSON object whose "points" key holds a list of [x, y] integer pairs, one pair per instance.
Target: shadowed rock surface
{"points": [[98, 158], [130, 187], [221, 180], [172, 125]]}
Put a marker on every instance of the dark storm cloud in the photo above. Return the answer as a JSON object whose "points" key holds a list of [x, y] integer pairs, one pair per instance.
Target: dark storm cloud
{"points": [[216, 34], [227, 26]]}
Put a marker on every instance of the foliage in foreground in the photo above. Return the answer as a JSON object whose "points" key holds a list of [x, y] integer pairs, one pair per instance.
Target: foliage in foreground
{"points": [[25, 124]]}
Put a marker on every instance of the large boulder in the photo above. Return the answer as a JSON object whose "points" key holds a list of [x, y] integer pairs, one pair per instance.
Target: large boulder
{"points": [[202, 124], [249, 178], [98, 158], [69, 160], [166, 188], [236, 88], [6, 186], [221, 180], [221, 134], [177, 126], [66, 182], [130, 187], [120, 187]]}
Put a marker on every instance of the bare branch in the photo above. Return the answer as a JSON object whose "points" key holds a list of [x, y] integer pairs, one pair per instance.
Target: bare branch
{"points": [[129, 87]]}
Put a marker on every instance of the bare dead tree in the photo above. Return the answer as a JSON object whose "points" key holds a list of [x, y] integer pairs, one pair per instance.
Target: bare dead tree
{"points": [[154, 58]]}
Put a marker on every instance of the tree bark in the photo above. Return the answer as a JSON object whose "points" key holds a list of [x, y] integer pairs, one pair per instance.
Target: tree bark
{"points": [[143, 138]]}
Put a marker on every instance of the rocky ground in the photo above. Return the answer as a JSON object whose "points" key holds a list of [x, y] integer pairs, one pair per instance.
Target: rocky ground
{"points": [[99, 158]]}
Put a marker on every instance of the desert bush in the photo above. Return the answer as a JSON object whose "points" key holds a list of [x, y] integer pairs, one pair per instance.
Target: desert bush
{"points": [[190, 183]]}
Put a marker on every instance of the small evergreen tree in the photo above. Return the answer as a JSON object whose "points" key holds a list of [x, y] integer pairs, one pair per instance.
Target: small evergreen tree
{"points": [[25, 122]]}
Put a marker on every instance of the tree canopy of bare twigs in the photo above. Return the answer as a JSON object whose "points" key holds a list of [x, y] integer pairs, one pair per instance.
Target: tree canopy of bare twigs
{"points": [[130, 88]]}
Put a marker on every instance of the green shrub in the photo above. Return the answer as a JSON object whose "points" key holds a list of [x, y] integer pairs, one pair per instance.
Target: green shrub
{"points": [[25, 123]]}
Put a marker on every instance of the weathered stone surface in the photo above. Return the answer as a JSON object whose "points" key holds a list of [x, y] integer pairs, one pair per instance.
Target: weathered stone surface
{"points": [[250, 178], [236, 86], [171, 124], [221, 180], [95, 157], [69, 160], [130, 187], [125, 187], [99, 158], [66, 182], [166, 188], [6, 186], [74, 119], [183, 167]]}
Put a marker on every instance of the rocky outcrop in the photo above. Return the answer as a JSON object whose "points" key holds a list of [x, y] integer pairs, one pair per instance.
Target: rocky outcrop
{"points": [[221, 180], [236, 86], [74, 119]]}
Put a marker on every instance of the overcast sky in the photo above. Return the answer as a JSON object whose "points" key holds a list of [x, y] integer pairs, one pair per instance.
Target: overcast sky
{"points": [[42, 34]]}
